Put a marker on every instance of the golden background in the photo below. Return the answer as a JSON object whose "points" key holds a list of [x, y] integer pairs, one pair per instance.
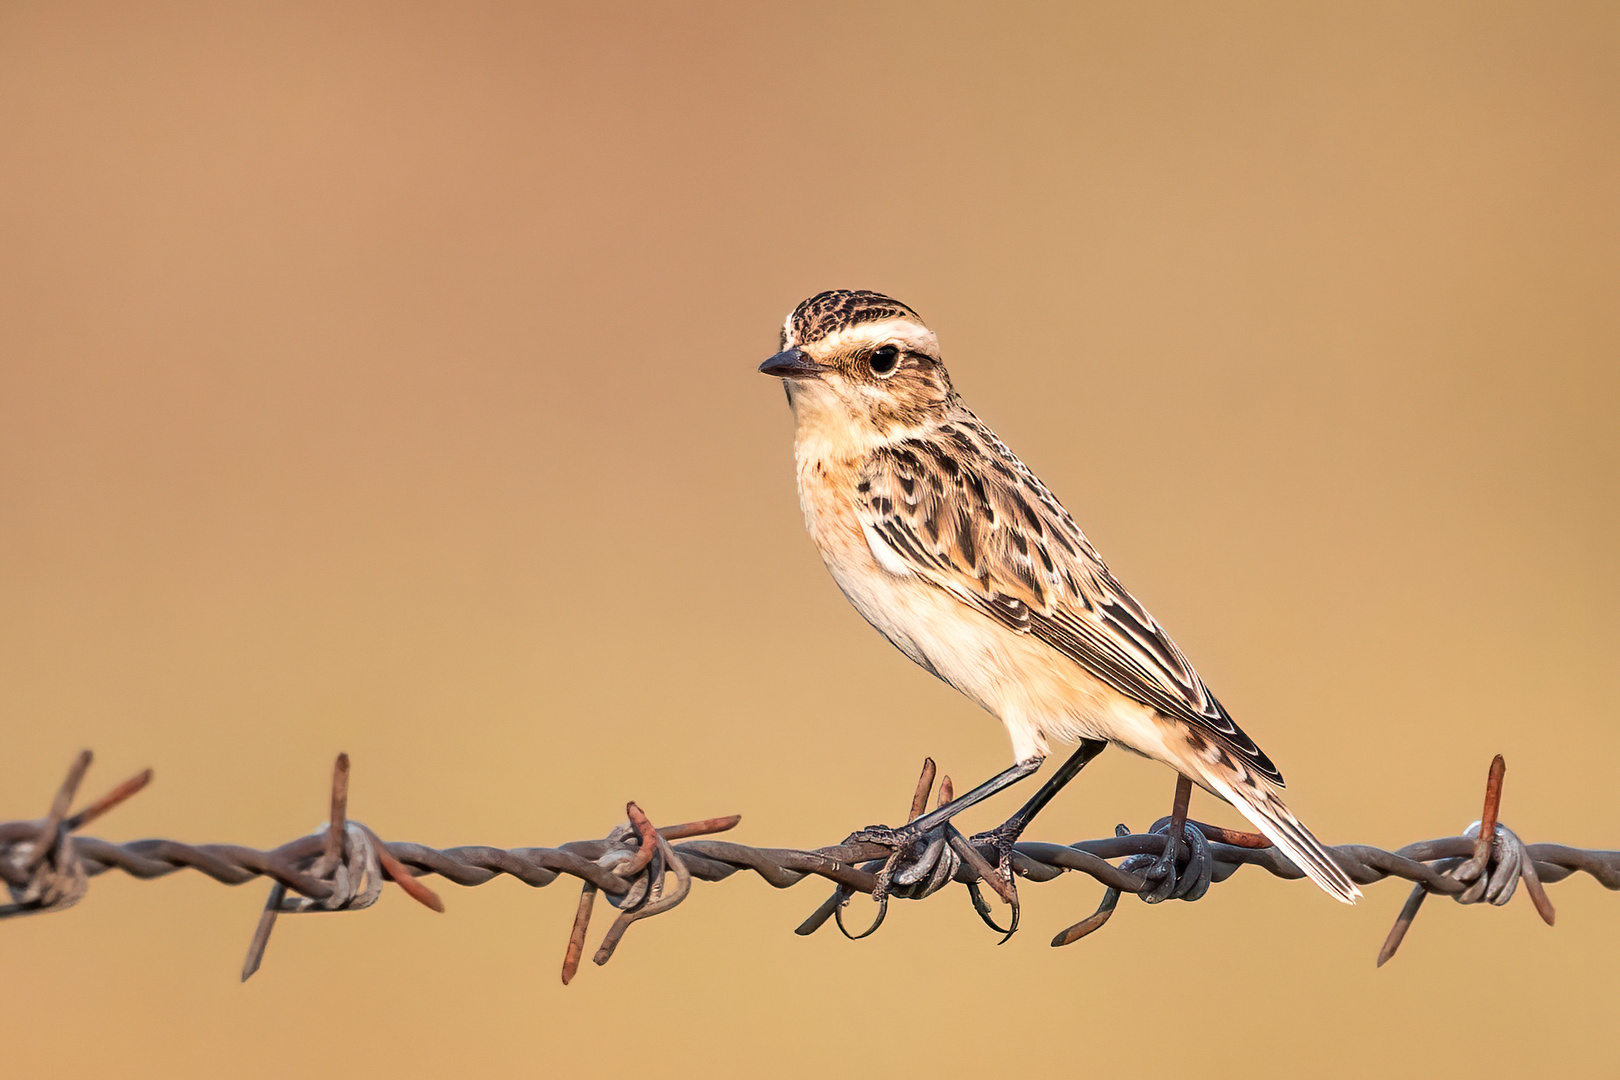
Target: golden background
{"points": [[381, 378]]}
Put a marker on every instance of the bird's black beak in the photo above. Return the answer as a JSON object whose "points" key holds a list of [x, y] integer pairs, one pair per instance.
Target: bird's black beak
{"points": [[792, 364]]}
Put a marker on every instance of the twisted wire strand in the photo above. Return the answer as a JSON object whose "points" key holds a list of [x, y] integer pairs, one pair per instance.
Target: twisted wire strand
{"points": [[716, 860], [46, 865]]}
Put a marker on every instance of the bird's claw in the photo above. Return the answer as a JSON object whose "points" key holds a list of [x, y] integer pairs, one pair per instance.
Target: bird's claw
{"points": [[919, 863], [1000, 840]]}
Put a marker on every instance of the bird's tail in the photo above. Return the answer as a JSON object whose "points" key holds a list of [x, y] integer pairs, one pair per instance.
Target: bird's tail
{"points": [[1256, 801]]}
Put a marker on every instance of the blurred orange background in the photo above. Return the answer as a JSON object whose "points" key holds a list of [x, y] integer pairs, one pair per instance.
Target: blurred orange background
{"points": [[380, 378]]}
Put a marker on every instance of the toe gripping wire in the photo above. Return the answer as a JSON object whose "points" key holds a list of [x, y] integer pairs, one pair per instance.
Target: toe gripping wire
{"points": [[930, 872], [916, 870]]}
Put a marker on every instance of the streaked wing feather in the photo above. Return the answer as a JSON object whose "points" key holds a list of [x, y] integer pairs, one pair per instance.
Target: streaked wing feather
{"points": [[966, 515]]}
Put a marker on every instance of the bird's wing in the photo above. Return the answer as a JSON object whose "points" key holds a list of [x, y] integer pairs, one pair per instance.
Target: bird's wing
{"points": [[959, 510]]}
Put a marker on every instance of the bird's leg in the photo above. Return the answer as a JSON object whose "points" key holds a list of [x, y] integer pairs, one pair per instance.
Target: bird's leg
{"points": [[1088, 749], [1004, 836], [913, 852]]}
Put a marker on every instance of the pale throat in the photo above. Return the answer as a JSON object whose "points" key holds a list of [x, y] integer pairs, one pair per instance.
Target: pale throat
{"points": [[827, 430]]}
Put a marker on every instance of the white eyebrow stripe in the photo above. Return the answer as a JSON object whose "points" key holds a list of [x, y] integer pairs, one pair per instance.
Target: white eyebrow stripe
{"points": [[906, 331]]}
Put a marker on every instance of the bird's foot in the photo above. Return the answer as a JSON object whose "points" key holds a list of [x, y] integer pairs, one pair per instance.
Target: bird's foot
{"points": [[926, 853], [919, 864], [1000, 877]]}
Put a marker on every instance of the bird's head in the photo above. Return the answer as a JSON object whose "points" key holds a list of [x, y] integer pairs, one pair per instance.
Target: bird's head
{"points": [[858, 358]]}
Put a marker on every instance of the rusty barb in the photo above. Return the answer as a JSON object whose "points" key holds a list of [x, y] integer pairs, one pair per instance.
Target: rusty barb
{"points": [[37, 858], [639, 855], [1491, 872], [350, 866], [47, 864]]}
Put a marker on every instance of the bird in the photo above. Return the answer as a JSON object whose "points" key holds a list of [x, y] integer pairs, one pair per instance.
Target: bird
{"points": [[951, 547]]}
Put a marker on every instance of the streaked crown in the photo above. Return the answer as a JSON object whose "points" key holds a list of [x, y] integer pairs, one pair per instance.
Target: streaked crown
{"points": [[839, 309]]}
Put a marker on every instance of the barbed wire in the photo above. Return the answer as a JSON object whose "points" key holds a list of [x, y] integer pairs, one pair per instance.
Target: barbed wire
{"points": [[47, 865]]}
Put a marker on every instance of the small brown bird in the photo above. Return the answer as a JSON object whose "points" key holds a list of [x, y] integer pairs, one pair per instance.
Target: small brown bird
{"points": [[952, 548]]}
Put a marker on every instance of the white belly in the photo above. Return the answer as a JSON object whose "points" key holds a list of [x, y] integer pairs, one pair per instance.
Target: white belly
{"points": [[1036, 692]]}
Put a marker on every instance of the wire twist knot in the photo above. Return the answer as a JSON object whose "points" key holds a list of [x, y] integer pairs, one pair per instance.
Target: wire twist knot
{"points": [[43, 874], [38, 860], [1497, 878], [353, 873]]}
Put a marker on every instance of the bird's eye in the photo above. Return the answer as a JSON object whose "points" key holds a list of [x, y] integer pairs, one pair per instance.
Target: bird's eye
{"points": [[884, 360]]}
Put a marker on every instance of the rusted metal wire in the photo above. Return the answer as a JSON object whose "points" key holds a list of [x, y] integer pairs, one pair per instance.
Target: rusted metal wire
{"points": [[46, 865]]}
